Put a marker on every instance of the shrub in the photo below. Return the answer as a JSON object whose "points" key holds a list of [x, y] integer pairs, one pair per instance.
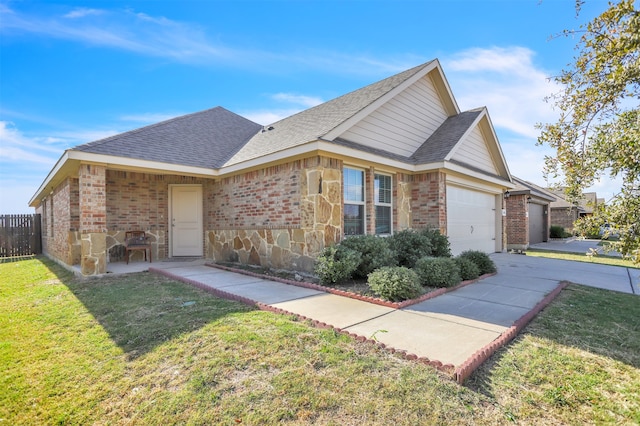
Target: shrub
{"points": [[481, 259], [395, 283], [438, 271], [557, 231], [409, 246], [374, 251], [336, 264], [439, 243], [468, 269]]}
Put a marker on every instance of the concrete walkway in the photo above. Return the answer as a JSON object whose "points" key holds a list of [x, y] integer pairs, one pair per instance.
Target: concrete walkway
{"points": [[450, 328]]}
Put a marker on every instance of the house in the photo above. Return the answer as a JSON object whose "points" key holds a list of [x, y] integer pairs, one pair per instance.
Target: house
{"points": [[395, 154], [527, 214], [565, 213]]}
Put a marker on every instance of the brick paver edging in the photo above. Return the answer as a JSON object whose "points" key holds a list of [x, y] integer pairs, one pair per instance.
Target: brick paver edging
{"points": [[438, 365], [374, 300], [465, 370]]}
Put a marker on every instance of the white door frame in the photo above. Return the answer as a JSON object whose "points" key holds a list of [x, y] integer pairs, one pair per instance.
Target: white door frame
{"points": [[171, 216]]}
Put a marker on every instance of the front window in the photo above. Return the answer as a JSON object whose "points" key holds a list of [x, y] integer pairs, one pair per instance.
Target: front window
{"points": [[353, 202], [382, 202]]}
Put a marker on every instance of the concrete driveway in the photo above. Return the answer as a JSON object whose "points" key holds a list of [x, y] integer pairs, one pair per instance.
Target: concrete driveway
{"points": [[574, 245]]}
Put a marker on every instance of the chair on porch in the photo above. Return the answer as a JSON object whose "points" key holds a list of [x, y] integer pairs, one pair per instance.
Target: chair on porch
{"points": [[136, 240]]}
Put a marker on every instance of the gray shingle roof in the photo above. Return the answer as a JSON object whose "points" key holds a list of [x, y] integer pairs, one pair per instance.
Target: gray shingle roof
{"points": [[442, 141], [313, 123], [202, 139], [532, 188]]}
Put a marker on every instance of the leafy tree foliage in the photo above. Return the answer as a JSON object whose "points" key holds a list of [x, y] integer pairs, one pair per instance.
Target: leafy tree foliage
{"points": [[599, 126]]}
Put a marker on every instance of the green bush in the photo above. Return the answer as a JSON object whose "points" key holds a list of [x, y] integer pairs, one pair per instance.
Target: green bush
{"points": [[468, 269], [409, 246], [481, 259], [438, 272], [374, 251], [395, 283], [439, 243], [336, 264], [557, 231]]}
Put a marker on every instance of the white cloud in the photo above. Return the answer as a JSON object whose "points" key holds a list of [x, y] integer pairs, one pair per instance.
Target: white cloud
{"points": [[293, 103], [15, 147], [186, 42], [81, 12], [507, 81], [305, 101], [119, 29]]}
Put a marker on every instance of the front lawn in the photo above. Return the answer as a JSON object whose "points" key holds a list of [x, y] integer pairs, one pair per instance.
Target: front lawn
{"points": [[142, 349], [583, 257]]}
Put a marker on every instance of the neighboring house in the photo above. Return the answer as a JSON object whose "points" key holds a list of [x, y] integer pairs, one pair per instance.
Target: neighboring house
{"points": [[528, 207], [565, 213], [393, 155]]}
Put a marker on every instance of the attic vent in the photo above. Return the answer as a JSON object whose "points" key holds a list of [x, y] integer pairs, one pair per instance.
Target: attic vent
{"points": [[266, 129]]}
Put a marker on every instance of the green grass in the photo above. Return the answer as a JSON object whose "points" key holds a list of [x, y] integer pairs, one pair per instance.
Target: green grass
{"points": [[577, 363], [582, 257], [142, 349]]}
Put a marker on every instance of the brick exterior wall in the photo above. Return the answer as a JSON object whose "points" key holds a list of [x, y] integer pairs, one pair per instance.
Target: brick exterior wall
{"points": [[140, 201], [564, 216], [429, 201], [280, 216], [517, 222], [268, 197], [92, 187], [60, 221]]}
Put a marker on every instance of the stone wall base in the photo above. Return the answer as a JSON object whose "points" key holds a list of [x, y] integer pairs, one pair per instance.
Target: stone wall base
{"points": [[294, 249], [116, 252], [94, 253]]}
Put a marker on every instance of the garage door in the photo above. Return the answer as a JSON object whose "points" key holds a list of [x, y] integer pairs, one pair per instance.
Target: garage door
{"points": [[537, 221], [471, 220]]}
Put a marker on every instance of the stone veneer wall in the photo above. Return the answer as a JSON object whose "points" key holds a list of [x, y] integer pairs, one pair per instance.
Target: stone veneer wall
{"points": [[402, 213], [280, 217], [517, 222]]}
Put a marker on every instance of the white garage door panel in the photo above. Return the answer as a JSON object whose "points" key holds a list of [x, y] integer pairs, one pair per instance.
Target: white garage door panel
{"points": [[471, 220]]}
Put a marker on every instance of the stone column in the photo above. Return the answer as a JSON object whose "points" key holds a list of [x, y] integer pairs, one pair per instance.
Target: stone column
{"points": [[93, 218]]}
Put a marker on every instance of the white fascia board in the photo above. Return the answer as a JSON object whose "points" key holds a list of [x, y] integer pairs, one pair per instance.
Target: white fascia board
{"points": [[314, 147], [497, 142], [447, 86], [111, 161], [54, 171], [477, 175]]}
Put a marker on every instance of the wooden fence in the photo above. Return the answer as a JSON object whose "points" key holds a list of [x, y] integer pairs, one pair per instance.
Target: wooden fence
{"points": [[20, 235]]}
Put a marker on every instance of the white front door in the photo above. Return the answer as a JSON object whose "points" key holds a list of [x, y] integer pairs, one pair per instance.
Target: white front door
{"points": [[186, 220]]}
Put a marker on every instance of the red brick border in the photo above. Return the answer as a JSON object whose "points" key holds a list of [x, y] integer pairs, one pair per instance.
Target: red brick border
{"points": [[445, 368], [474, 361], [459, 374]]}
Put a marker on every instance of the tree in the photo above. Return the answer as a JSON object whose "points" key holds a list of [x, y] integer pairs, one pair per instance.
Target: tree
{"points": [[598, 130]]}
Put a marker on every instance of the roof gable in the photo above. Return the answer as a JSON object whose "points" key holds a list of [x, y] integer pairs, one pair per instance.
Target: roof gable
{"points": [[202, 139], [404, 122], [325, 121], [480, 148]]}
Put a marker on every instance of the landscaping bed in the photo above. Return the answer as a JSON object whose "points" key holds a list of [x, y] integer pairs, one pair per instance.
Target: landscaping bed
{"points": [[354, 289]]}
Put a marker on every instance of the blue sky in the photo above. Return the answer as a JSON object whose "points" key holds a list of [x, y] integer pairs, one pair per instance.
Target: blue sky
{"points": [[78, 71]]}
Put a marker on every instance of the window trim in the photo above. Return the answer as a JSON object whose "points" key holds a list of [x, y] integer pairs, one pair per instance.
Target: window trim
{"points": [[377, 203], [362, 203]]}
